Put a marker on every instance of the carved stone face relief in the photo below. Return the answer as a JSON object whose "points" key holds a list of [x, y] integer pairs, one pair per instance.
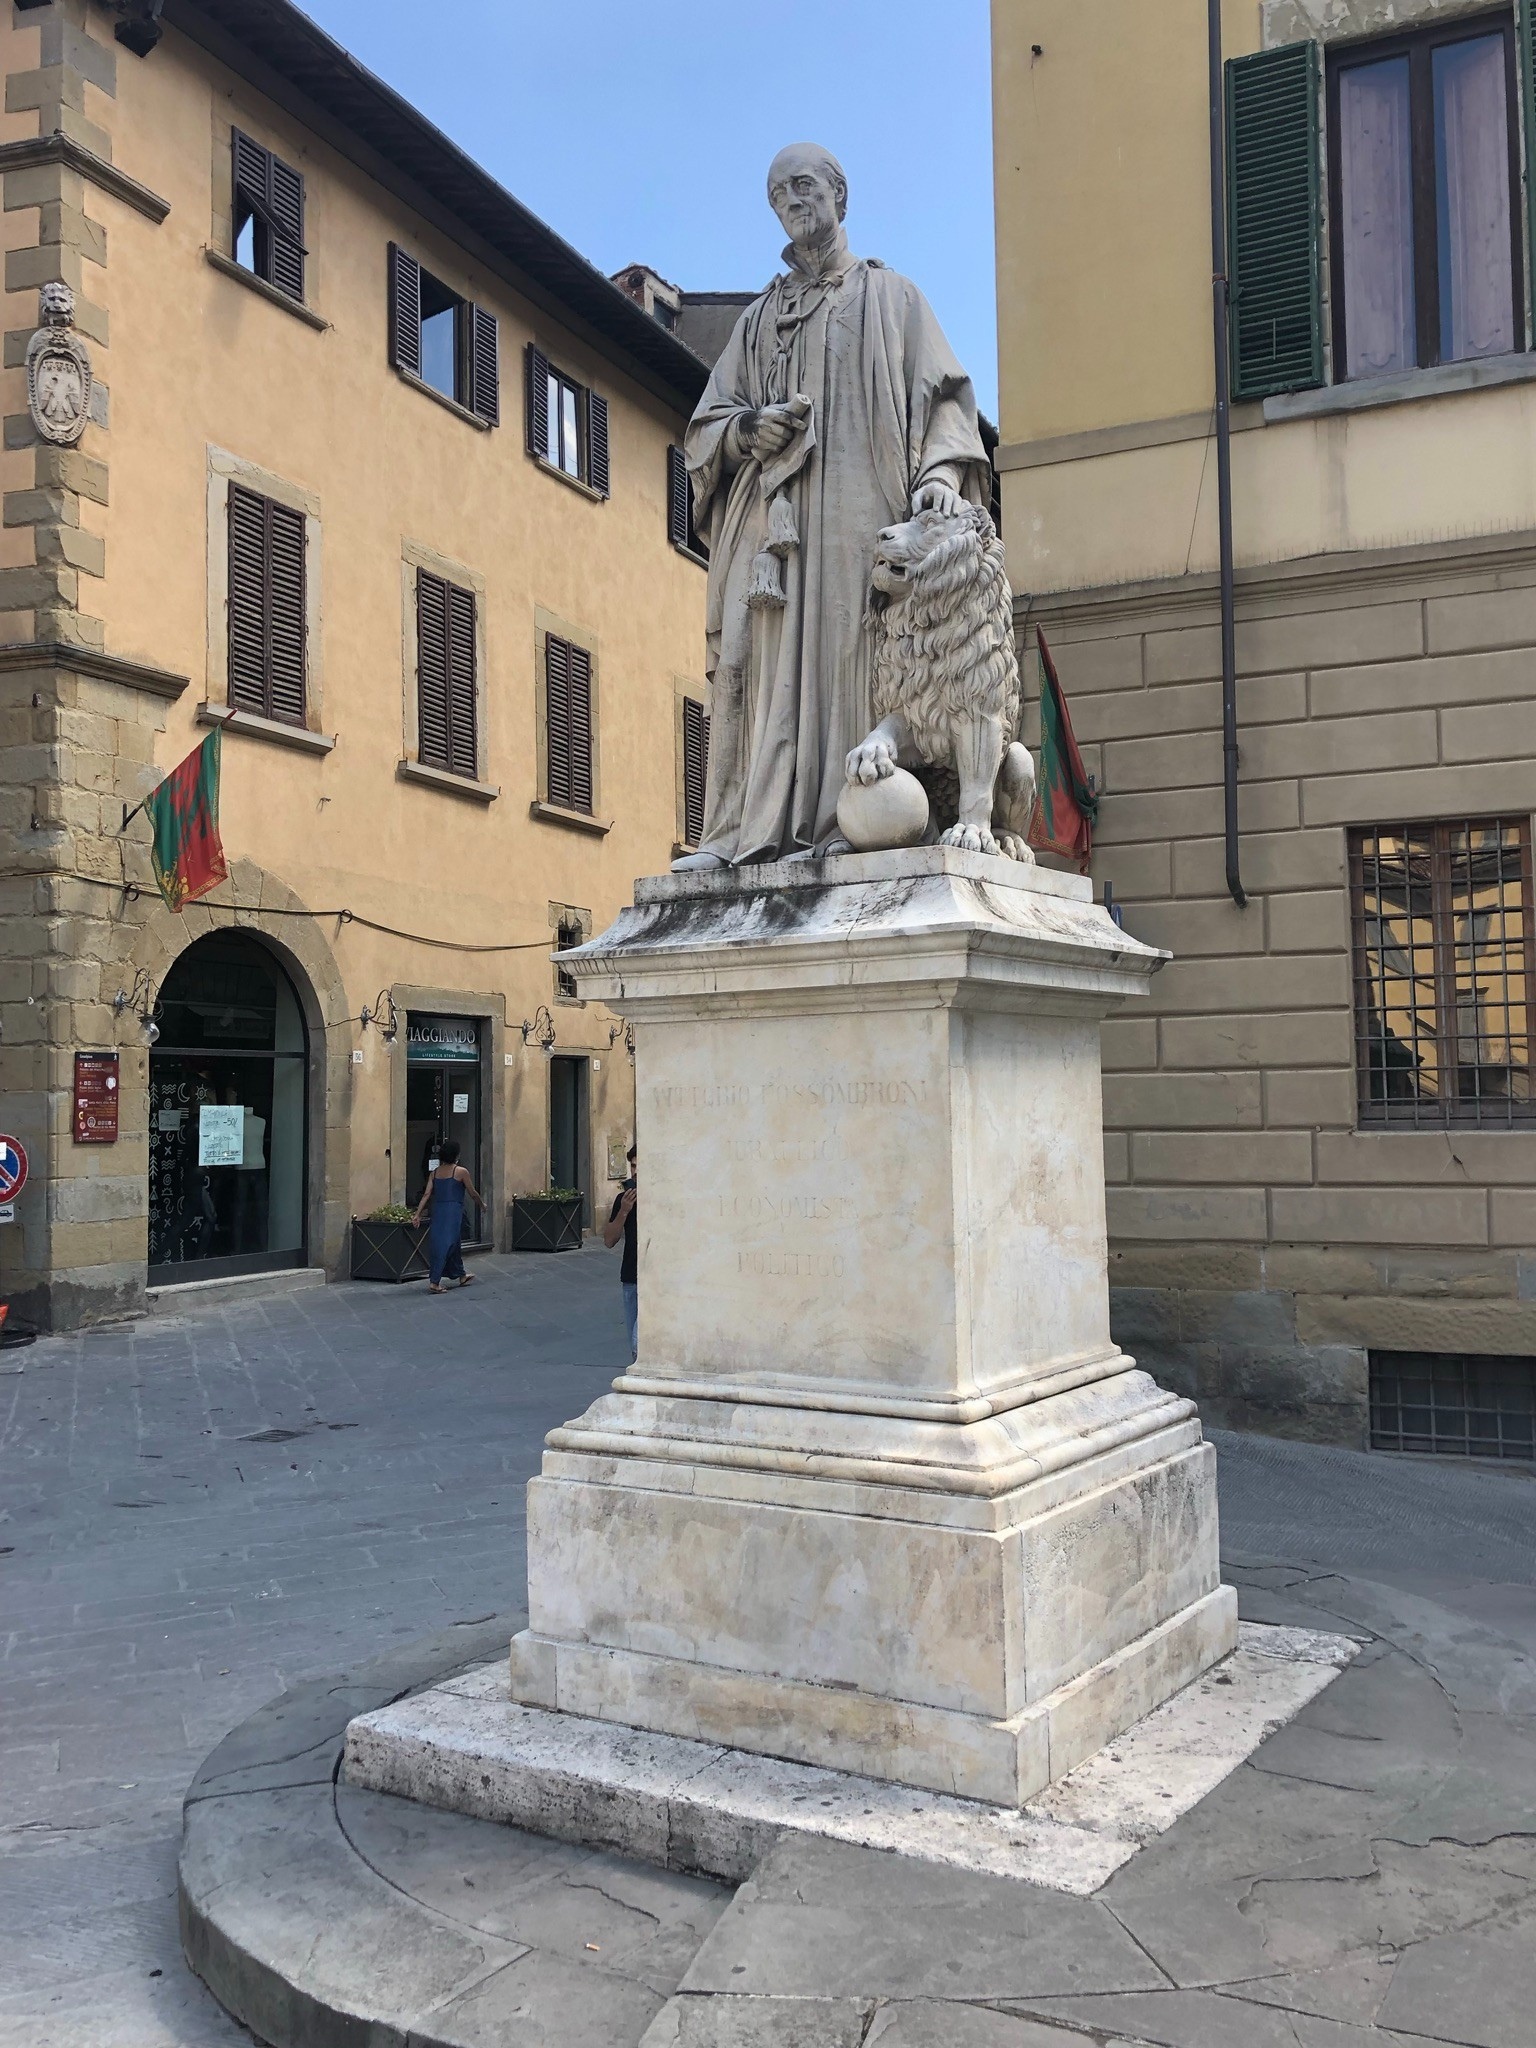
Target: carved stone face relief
{"points": [[58, 370]]}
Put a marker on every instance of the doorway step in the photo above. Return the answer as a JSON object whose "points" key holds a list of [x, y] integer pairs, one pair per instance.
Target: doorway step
{"points": [[231, 1288]]}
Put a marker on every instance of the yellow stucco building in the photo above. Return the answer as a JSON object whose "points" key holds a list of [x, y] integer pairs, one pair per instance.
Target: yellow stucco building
{"points": [[1320, 1137], [375, 473]]}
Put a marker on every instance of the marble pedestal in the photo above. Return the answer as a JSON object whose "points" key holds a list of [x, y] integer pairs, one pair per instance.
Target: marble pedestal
{"points": [[881, 1493]]}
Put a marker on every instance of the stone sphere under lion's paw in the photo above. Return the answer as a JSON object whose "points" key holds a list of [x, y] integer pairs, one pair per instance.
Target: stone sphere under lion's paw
{"points": [[877, 816]]}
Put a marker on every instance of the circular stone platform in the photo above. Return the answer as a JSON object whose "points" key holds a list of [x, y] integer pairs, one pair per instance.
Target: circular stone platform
{"points": [[322, 1916]]}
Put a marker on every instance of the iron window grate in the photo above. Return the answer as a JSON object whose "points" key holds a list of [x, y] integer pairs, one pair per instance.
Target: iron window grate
{"points": [[1443, 968], [1454, 1404]]}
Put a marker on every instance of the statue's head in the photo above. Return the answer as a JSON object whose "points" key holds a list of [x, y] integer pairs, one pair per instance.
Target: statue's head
{"points": [[808, 191]]}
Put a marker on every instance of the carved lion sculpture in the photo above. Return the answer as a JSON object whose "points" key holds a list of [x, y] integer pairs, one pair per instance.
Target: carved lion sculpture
{"points": [[945, 686]]}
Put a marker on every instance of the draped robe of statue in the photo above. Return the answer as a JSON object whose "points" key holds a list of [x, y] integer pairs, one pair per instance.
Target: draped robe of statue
{"points": [[891, 409]]}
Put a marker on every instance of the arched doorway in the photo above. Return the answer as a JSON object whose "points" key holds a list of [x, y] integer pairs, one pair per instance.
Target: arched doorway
{"points": [[228, 1116]]}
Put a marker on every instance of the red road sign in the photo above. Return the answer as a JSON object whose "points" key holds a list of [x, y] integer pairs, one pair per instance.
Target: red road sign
{"points": [[13, 1167]]}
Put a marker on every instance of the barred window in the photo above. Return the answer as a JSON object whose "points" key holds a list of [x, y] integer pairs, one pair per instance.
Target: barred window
{"points": [[1444, 969], [1453, 1404]]}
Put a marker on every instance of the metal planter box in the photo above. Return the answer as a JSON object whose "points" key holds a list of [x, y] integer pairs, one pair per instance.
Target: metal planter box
{"points": [[539, 1225], [388, 1251]]}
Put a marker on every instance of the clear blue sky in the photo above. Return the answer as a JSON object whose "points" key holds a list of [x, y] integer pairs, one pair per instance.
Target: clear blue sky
{"points": [[642, 129]]}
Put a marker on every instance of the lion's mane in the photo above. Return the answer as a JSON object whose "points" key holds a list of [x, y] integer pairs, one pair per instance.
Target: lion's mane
{"points": [[943, 649]]}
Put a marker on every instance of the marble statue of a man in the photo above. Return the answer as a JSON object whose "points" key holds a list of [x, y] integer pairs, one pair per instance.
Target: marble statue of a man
{"points": [[836, 409]]}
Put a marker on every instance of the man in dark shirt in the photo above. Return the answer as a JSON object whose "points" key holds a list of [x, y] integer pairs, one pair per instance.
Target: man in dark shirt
{"points": [[621, 1223]]}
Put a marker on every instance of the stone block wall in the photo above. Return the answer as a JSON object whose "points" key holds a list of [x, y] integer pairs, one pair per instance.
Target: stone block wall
{"points": [[1261, 1244]]}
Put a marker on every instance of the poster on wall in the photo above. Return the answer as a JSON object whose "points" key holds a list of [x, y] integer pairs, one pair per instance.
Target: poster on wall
{"points": [[95, 1098], [220, 1134]]}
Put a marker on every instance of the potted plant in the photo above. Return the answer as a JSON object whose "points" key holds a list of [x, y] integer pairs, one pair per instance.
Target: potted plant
{"points": [[549, 1221], [389, 1244]]}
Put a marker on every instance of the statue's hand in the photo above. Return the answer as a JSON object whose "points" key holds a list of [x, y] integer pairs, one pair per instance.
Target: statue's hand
{"points": [[871, 760], [769, 431], [937, 497]]}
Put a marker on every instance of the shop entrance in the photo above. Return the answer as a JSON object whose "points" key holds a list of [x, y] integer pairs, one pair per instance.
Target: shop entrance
{"points": [[568, 1146], [443, 1090], [227, 1116]]}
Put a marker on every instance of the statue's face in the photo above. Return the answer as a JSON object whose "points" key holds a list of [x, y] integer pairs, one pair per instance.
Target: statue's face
{"points": [[805, 196]]}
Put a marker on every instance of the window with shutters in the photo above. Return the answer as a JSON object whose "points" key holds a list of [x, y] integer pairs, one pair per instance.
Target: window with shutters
{"points": [[567, 423], [572, 929], [1424, 201], [268, 216], [439, 338], [446, 735], [568, 777], [1445, 972], [681, 530], [695, 768], [267, 607]]}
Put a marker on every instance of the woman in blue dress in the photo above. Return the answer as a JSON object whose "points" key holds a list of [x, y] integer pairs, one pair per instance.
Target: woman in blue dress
{"points": [[444, 1196]]}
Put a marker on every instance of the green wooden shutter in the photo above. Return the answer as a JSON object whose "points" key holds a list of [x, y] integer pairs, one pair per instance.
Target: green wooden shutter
{"points": [[1525, 28], [1274, 210]]}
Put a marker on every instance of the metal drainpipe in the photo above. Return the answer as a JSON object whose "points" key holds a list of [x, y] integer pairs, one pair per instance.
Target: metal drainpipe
{"points": [[1220, 301]]}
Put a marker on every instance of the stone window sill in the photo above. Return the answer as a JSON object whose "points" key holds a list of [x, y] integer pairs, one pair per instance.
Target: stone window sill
{"points": [[228, 267], [1364, 394], [444, 779], [470, 419], [689, 555], [564, 476], [578, 821], [273, 729]]}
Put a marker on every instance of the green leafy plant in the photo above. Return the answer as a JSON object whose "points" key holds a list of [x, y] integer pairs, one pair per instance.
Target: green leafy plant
{"points": [[390, 1212], [550, 1195]]}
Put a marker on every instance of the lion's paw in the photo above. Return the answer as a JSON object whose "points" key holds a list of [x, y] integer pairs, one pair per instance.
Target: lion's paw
{"points": [[871, 760], [1016, 848], [969, 838]]}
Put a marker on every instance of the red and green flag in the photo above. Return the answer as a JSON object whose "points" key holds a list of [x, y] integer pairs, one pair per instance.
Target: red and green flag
{"points": [[186, 853], [1066, 802]]}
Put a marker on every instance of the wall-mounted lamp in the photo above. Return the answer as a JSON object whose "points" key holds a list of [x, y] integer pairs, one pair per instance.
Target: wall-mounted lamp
{"points": [[141, 1000], [540, 1029], [384, 1014], [625, 1031]]}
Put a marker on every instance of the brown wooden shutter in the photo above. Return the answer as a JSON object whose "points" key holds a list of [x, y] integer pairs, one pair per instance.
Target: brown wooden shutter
{"points": [[597, 443], [677, 498], [267, 625], [274, 193], [538, 402], [286, 623], [463, 753], [695, 768], [484, 365], [253, 172], [581, 729], [247, 601], [404, 311], [557, 719], [286, 243], [432, 742]]}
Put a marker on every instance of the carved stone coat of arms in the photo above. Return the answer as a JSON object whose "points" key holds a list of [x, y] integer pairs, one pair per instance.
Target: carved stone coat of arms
{"points": [[58, 370]]}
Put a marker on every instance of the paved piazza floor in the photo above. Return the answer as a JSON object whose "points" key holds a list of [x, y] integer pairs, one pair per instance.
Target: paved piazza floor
{"points": [[200, 1511]]}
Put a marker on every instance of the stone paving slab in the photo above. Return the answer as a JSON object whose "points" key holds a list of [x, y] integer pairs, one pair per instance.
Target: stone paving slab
{"points": [[465, 1746]]}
